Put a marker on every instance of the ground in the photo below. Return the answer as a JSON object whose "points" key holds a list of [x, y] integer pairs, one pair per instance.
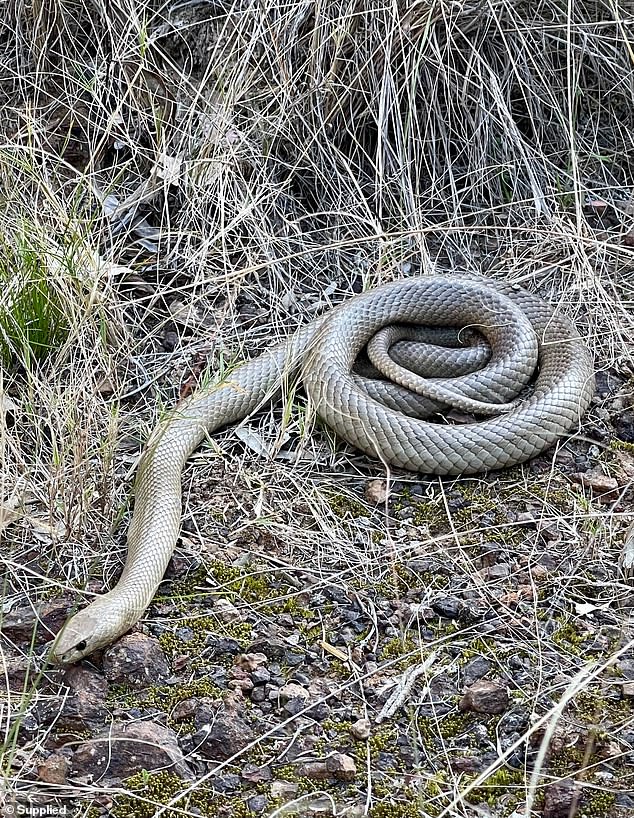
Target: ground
{"points": [[182, 185]]}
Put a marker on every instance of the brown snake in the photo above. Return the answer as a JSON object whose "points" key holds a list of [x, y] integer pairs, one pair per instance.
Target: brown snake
{"points": [[377, 417]]}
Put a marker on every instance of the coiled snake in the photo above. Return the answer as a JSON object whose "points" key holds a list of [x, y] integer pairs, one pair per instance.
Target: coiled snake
{"points": [[377, 417]]}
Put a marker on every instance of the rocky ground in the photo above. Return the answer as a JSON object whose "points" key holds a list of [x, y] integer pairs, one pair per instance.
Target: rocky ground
{"points": [[478, 641]]}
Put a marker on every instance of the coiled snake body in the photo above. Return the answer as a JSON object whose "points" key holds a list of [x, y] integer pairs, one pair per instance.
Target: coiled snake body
{"points": [[377, 417]]}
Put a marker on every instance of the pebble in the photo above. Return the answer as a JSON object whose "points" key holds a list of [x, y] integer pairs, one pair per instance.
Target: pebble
{"points": [[485, 696], [361, 729]]}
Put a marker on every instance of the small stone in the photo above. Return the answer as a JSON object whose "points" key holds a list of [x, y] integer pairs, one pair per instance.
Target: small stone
{"points": [[54, 769], [341, 766], [539, 573], [258, 694], [257, 803], [376, 491], [225, 735], [315, 770], [559, 799], [226, 610], [605, 487], [252, 661], [256, 775], [485, 697], [500, 570], [361, 729], [283, 790], [475, 670], [293, 691], [628, 689], [449, 607], [135, 660], [260, 676]]}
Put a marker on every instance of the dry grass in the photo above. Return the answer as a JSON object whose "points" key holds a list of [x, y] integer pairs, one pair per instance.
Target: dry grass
{"points": [[199, 179]]}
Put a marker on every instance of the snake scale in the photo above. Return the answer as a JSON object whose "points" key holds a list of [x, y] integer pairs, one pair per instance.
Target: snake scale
{"points": [[385, 420]]}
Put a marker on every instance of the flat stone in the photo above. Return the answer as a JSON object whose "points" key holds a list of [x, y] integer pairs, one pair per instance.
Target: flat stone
{"points": [[125, 749], [485, 696]]}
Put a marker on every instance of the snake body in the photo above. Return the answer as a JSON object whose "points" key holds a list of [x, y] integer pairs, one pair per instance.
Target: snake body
{"points": [[386, 420]]}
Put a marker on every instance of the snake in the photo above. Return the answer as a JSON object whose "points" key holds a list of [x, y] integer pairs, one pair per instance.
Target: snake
{"points": [[536, 383]]}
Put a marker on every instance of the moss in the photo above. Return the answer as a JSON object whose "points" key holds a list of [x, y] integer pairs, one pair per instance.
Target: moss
{"points": [[149, 790], [345, 506], [202, 627], [503, 782], [566, 636], [599, 804], [399, 647]]}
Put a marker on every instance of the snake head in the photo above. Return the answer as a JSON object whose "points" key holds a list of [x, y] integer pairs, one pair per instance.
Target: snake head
{"points": [[96, 626]]}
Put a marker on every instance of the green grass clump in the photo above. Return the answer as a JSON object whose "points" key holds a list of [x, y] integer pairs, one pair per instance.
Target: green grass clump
{"points": [[33, 305]]}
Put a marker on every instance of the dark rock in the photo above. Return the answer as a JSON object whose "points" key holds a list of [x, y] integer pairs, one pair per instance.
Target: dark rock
{"points": [[257, 775], [83, 708], [228, 783], [624, 425], [125, 749], [260, 676], [258, 694], [135, 660], [450, 607], [222, 646], [273, 648], [223, 736], [485, 696], [35, 624], [475, 669], [257, 803], [559, 799]]}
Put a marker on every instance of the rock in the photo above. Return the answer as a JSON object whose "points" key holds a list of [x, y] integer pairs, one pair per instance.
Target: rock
{"points": [[35, 624], [449, 607], [628, 689], [293, 691], [607, 488], [125, 749], [220, 646], [226, 611], [257, 804], [376, 491], [283, 790], [361, 729], [337, 766], [485, 697], [224, 735], [256, 775], [260, 676], [83, 708], [252, 661], [341, 767], [135, 660], [54, 769], [274, 649], [559, 799], [501, 570], [475, 669], [539, 573]]}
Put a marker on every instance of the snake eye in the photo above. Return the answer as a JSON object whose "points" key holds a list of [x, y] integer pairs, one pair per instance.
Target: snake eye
{"points": [[80, 646]]}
